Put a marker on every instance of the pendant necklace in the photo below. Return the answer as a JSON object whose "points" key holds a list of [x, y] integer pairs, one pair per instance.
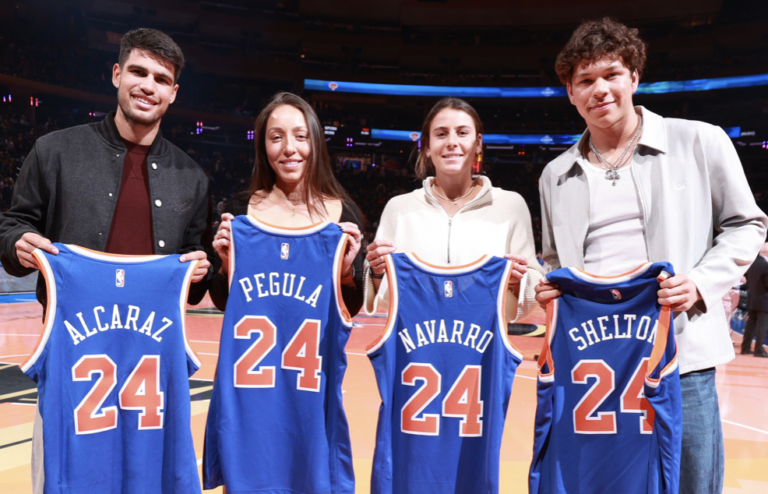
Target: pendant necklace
{"points": [[455, 200], [290, 203], [611, 169]]}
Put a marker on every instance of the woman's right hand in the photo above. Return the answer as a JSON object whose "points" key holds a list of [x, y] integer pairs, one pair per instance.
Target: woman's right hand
{"points": [[376, 252], [221, 241], [546, 291]]}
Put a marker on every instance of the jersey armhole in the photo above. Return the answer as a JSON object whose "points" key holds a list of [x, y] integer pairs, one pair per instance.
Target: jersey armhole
{"points": [[50, 309], [659, 350], [501, 303], [183, 311], [338, 263], [546, 363], [394, 304]]}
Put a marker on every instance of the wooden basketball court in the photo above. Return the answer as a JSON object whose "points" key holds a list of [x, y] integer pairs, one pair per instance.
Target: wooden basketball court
{"points": [[742, 386]]}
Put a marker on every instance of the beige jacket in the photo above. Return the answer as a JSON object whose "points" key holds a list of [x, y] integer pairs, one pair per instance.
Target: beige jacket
{"points": [[496, 222], [691, 183]]}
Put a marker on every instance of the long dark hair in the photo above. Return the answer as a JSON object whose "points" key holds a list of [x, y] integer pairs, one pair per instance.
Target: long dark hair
{"points": [[423, 163], [319, 180]]}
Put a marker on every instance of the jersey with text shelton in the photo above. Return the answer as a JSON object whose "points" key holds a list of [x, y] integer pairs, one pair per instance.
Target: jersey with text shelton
{"points": [[609, 414]]}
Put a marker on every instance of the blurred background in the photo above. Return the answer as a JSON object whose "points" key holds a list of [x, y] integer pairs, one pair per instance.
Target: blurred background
{"points": [[708, 60]]}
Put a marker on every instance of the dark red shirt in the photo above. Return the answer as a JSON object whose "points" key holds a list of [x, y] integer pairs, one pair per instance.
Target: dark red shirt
{"points": [[131, 230]]}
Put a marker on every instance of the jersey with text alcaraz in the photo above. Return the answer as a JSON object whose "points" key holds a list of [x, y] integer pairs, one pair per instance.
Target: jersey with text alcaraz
{"points": [[112, 371]]}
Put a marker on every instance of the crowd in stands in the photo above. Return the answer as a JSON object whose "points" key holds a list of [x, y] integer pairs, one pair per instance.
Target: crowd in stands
{"points": [[229, 167]]}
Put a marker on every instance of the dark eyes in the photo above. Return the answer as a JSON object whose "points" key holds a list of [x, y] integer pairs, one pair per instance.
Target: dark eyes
{"points": [[160, 80]]}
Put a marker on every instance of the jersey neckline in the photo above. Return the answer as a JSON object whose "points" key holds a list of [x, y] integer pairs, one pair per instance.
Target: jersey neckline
{"points": [[609, 280], [286, 230], [443, 270], [112, 258]]}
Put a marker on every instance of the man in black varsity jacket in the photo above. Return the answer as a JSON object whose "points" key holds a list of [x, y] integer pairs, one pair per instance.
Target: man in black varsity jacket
{"points": [[117, 185]]}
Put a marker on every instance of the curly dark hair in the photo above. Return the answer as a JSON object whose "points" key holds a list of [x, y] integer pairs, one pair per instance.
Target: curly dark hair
{"points": [[598, 39]]}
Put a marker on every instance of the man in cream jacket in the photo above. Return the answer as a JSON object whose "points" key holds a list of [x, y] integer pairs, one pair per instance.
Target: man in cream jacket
{"points": [[638, 187]]}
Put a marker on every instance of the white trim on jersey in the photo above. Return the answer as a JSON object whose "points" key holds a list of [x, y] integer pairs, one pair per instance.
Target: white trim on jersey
{"points": [[338, 257], [293, 232], [50, 312], [608, 280], [231, 269], [550, 377], [112, 258], [394, 303], [555, 307], [183, 311], [664, 373], [431, 268], [500, 306]]}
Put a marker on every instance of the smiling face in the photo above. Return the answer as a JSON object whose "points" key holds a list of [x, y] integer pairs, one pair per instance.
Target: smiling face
{"points": [[602, 92], [145, 87], [287, 144], [453, 142]]}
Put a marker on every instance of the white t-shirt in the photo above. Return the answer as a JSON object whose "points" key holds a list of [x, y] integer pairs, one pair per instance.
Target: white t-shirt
{"points": [[615, 240]]}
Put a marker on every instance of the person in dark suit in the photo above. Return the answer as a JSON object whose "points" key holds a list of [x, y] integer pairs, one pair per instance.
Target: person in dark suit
{"points": [[757, 303]]}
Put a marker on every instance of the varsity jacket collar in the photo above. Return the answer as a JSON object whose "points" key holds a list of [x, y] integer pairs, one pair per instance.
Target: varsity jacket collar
{"points": [[653, 136], [108, 131]]}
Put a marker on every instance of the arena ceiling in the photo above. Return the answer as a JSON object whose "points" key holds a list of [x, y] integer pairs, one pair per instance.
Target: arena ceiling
{"points": [[395, 40]]}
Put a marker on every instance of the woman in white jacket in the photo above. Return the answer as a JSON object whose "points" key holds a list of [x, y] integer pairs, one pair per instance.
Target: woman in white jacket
{"points": [[455, 218]]}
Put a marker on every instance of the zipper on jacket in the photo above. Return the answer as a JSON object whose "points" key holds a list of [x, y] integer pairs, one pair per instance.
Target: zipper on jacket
{"points": [[450, 219]]}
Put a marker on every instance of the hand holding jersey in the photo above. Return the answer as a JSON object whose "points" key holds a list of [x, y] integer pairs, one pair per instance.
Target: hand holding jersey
{"points": [[27, 244]]}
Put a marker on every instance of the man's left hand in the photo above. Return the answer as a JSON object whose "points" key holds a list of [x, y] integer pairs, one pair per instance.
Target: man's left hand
{"points": [[679, 293], [202, 267]]}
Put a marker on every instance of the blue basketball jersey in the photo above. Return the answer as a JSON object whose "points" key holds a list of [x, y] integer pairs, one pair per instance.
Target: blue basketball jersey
{"points": [[609, 413], [444, 367], [112, 371], [276, 423]]}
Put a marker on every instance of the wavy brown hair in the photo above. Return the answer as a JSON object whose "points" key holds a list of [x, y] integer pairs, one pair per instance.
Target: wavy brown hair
{"points": [[423, 163], [598, 39], [319, 180]]}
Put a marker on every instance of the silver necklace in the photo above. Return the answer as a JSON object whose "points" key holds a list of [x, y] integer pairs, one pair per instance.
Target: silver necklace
{"points": [[455, 199], [290, 202], [611, 169]]}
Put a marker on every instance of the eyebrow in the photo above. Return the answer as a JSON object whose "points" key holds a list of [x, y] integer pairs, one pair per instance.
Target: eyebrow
{"points": [[164, 75], [300, 127], [611, 67], [457, 127]]}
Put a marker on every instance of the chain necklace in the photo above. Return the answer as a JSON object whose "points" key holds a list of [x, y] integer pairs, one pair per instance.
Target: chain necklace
{"points": [[455, 199], [290, 202], [611, 169]]}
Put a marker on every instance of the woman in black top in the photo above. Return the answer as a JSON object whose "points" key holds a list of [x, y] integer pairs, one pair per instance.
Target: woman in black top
{"points": [[293, 186]]}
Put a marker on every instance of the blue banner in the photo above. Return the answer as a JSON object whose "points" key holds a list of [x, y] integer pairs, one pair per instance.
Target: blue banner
{"points": [[543, 139], [437, 91], [395, 135], [527, 92]]}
